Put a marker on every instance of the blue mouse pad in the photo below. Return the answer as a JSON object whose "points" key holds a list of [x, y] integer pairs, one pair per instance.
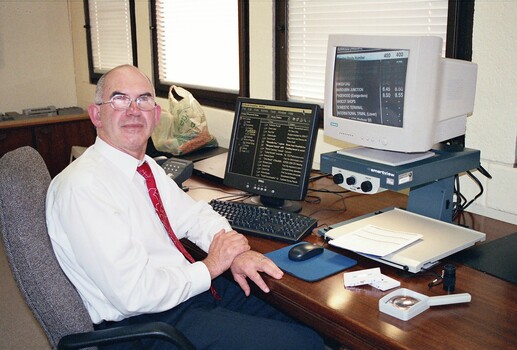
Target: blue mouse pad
{"points": [[313, 269]]}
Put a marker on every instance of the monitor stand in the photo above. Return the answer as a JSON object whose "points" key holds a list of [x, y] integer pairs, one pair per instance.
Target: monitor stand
{"points": [[282, 204], [430, 180]]}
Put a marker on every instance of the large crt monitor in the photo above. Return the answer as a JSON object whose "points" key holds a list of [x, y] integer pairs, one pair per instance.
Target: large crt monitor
{"points": [[271, 150], [395, 93]]}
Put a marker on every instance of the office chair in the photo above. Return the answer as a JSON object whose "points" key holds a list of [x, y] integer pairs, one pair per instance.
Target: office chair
{"points": [[24, 180]]}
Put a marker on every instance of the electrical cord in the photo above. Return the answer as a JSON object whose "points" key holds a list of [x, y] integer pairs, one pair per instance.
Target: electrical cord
{"points": [[317, 177], [461, 203]]}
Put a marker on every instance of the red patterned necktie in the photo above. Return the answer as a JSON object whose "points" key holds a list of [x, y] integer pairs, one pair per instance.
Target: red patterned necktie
{"points": [[146, 172]]}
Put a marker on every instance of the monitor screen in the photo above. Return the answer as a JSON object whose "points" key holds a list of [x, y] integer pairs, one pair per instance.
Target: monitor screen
{"points": [[271, 150], [369, 85], [395, 93]]}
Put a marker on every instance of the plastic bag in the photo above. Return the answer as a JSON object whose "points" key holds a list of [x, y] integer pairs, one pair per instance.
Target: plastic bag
{"points": [[183, 128]]}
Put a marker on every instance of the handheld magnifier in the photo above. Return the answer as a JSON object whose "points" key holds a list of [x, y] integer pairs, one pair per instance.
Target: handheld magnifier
{"points": [[405, 304]]}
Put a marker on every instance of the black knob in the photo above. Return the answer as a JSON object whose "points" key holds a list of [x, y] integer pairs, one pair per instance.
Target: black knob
{"points": [[350, 180], [366, 186], [338, 178], [449, 277]]}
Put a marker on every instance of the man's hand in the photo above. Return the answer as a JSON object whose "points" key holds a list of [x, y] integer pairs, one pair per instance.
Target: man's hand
{"points": [[223, 250], [249, 264]]}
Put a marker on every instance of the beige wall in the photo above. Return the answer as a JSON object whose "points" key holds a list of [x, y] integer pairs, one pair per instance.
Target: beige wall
{"points": [[36, 59], [492, 128]]}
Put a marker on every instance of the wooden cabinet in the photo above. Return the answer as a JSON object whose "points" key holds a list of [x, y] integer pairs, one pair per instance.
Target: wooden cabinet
{"points": [[13, 138], [53, 137]]}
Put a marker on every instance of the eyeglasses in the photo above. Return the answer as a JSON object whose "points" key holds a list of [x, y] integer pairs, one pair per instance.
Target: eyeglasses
{"points": [[123, 102]]}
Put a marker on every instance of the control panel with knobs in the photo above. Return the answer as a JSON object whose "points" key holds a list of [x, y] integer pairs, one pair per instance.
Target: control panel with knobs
{"points": [[355, 182]]}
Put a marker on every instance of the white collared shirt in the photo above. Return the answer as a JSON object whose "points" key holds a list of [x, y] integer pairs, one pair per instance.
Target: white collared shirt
{"points": [[112, 245]]}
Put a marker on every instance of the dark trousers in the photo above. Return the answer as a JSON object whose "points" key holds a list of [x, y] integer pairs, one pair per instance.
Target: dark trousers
{"points": [[235, 322]]}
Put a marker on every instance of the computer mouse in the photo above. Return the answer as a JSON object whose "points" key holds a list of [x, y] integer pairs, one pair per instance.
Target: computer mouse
{"points": [[304, 251]]}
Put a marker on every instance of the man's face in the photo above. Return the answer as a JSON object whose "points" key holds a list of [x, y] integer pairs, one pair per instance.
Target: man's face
{"points": [[127, 130]]}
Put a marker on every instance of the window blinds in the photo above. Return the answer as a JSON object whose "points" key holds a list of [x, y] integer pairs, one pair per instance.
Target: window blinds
{"points": [[110, 26], [310, 23]]}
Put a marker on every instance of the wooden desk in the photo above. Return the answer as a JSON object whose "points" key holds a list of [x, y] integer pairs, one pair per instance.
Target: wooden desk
{"points": [[351, 316]]}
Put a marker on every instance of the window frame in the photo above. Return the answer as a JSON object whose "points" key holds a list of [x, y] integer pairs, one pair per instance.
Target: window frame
{"points": [[93, 76], [460, 19], [212, 98]]}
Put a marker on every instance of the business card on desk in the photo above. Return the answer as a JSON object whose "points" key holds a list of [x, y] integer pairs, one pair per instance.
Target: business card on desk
{"points": [[385, 283], [358, 278], [373, 277]]}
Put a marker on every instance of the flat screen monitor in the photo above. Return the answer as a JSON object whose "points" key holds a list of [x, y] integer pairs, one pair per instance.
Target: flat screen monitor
{"points": [[271, 150], [395, 93]]}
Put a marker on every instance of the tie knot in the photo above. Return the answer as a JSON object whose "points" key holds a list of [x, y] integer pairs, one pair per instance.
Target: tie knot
{"points": [[144, 170], [147, 174]]}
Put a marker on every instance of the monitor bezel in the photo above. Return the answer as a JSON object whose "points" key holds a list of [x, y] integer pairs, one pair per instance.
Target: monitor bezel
{"points": [[420, 103], [283, 191]]}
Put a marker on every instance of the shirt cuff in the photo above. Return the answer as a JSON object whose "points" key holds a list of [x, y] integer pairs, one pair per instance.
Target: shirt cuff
{"points": [[201, 280]]}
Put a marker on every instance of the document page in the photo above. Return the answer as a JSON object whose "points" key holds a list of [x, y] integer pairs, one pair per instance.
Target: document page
{"points": [[374, 240]]}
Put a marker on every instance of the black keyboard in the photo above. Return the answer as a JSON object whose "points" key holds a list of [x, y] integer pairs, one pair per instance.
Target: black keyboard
{"points": [[265, 222]]}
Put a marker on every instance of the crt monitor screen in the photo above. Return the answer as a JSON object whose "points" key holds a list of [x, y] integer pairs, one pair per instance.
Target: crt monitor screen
{"points": [[370, 84], [271, 150], [395, 93]]}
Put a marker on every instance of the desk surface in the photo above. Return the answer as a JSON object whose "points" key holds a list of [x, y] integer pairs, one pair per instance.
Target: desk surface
{"points": [[351, 316]]}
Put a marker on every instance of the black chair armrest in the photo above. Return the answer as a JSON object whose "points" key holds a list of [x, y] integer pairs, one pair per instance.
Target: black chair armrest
{"points": [[158, 330]]}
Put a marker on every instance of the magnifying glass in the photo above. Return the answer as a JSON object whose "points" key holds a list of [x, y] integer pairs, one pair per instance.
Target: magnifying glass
{"points": [[405, 304]]}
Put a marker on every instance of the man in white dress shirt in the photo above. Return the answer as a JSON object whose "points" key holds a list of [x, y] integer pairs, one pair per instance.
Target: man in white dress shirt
{"points": [[115, 250]]}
